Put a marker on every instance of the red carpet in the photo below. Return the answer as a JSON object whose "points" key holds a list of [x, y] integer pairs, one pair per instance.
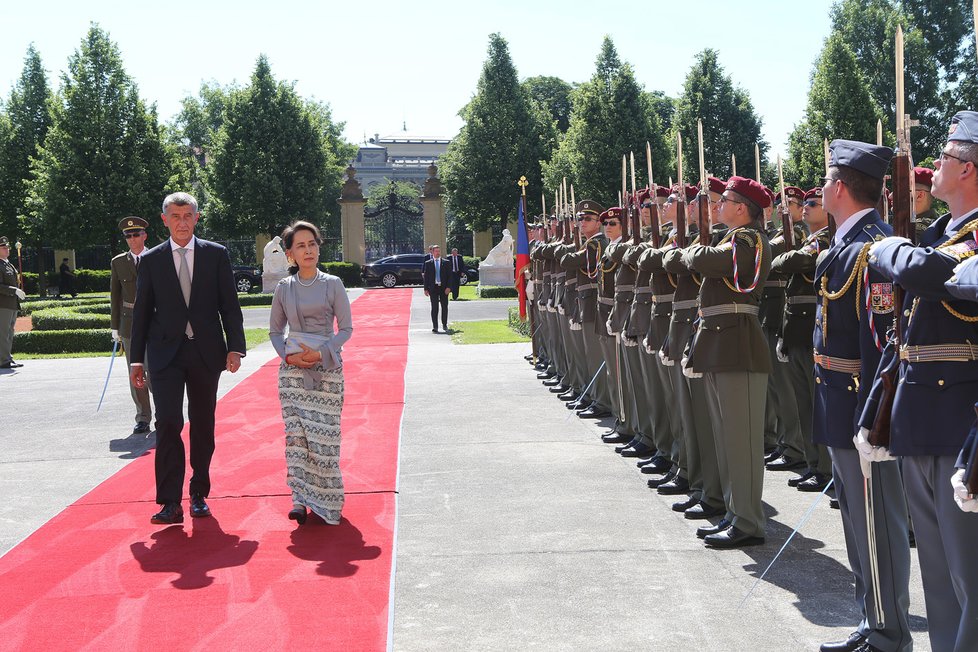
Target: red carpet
{"points": [[99, 576]]}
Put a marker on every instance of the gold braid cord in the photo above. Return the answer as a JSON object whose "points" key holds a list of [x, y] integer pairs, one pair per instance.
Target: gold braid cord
{"points": [[856, 276], [964, 231], [597, 260]]}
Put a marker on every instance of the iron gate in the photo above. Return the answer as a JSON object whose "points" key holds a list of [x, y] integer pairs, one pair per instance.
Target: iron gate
{"points": [[395, 226]]}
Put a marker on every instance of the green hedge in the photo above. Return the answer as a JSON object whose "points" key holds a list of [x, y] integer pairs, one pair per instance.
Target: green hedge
{"points": [[62, 319], [496, 292], [471, 261], [69, 341], [517, 324], [86, 280], [349, 273], [31, 306], [255, 299]]}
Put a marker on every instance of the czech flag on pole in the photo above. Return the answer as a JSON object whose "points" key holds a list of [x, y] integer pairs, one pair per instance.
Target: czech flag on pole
{"points": [[522, 258]]}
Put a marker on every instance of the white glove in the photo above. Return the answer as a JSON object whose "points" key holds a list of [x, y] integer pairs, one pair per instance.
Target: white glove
{"points": [[648, 347], [965, 500], [666, 360], [115, 336], [869, 452], [779, 349], [688, 372], [20, 294], [607, 326]]}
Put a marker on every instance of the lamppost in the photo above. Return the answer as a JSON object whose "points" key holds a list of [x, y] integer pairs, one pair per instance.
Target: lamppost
{"points": [[20, 265]]}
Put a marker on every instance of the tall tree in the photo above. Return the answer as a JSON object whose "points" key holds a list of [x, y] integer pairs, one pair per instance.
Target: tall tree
{"points": [[272, 162], [840, 105], [868, 28], [498, 144], [104, 157], [553, 95], [730, 124], [611, 116], [28, 118]]}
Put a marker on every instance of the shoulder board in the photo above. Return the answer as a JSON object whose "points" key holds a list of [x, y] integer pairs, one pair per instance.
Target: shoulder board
{"points": [[874, 231], [961, 250], [748, 236]]}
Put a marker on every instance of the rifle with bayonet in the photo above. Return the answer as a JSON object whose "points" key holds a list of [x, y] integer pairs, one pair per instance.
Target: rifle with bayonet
{"points": [[682, 235], [636, 214], [625, 203], [654, 222], [825, 149], [787, 226], [577, 221], [903, 220], [703, 203]]}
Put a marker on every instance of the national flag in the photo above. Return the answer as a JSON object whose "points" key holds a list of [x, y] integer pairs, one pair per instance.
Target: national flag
{"points": [[522, 258]]}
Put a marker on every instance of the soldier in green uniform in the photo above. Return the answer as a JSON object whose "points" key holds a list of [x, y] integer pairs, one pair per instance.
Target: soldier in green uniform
{"points": [[570, 325], [122, 286], [781, 405], [585, 263], [923, 200], [730, 350], [795, 344], [10, 297], [614, 364]]}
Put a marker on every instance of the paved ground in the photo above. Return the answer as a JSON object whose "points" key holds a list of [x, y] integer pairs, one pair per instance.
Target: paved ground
{"points": [[518, 529]]}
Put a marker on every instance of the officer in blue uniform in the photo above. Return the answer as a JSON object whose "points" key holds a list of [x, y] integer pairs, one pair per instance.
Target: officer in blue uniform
{"points": [[933, 407], [851, 321]]}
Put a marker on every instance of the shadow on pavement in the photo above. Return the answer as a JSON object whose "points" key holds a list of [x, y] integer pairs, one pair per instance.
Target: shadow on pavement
{"points": [[133, 446], [335, 547]]}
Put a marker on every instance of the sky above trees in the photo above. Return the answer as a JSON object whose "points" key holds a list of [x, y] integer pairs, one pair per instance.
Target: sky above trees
{"points": [[420, 63]]}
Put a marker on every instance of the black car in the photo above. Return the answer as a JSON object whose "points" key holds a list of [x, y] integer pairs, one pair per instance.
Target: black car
{"points": [[404, 269], [246, 278]]}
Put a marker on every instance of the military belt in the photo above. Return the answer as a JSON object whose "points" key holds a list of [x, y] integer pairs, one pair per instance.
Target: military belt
{"points": [[624, 288], [804, 298], [939, 353], [546, 274], [126, 304], [775, 284], [645, 290], [844, 365], [571, 282], [728, 309], [587, 286], [683, 305], [606, 301], [561, 275]]}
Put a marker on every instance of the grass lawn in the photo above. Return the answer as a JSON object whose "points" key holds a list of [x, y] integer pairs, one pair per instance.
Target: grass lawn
{"points": [[253, 337], [492, 331]]}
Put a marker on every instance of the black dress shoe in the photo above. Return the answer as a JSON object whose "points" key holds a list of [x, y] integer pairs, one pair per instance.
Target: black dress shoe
{"points": [[570, 394], [298, 514], [834, 503], [793, 482], [13, 364], [678, 485], [817, 482], [170, 514], [593, 412], [546, 375], [198, 507], [581, 403], [732, 537], [707, 530], [142, 428], [657, 465], [655, 483], [541, 366], [866, 647], [773, 454], [528, 357], [645, 461], [637, 450], [683, 505], [632, 440], [554, 382], [701, 510], [849, 645], [785, 463], [615, 437], [434, 330]]}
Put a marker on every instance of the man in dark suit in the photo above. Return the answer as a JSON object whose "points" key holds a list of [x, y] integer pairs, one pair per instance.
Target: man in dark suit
{"points": [[185, 305], [437, 274], [458, 268]]}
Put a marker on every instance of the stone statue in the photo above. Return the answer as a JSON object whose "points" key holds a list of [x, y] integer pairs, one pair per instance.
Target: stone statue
{"points": [[275, 265], [502, 254], [274, 259], [499, 268]]}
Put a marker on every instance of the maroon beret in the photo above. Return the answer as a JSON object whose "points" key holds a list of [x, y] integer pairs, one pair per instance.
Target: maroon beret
{"points": [[643, 196], [814, 193], [717, 185], [923, 176], [751, 190], [794, 192], [662, 191], [613, 213], [691, 191]]}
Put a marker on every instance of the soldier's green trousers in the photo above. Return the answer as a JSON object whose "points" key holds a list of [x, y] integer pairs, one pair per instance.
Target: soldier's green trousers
{"points": [[736, 400], [612, 368], [593, 360]]}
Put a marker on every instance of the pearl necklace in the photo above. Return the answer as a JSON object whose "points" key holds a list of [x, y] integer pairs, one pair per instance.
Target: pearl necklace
{"points": [[306, 285]]}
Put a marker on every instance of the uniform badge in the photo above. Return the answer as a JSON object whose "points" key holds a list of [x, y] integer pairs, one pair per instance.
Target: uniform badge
{"points": [[881, 298], [961, 250]]}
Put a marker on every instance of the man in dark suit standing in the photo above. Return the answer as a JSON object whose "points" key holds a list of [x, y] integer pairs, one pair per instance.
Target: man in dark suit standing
{"points": [[185, 306], [437, 284], [458, 268]]}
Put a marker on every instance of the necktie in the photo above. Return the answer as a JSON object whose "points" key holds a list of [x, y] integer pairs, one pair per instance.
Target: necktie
{"points": [[454, 263], [184, 275], [437, 272]]}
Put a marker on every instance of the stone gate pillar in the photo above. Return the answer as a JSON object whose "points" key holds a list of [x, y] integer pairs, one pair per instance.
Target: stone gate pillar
{"points": [[352, 204], [433, 203]]}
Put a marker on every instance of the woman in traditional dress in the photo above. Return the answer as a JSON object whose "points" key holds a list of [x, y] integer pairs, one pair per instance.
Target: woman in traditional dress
{"points": [[310, 377]]}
